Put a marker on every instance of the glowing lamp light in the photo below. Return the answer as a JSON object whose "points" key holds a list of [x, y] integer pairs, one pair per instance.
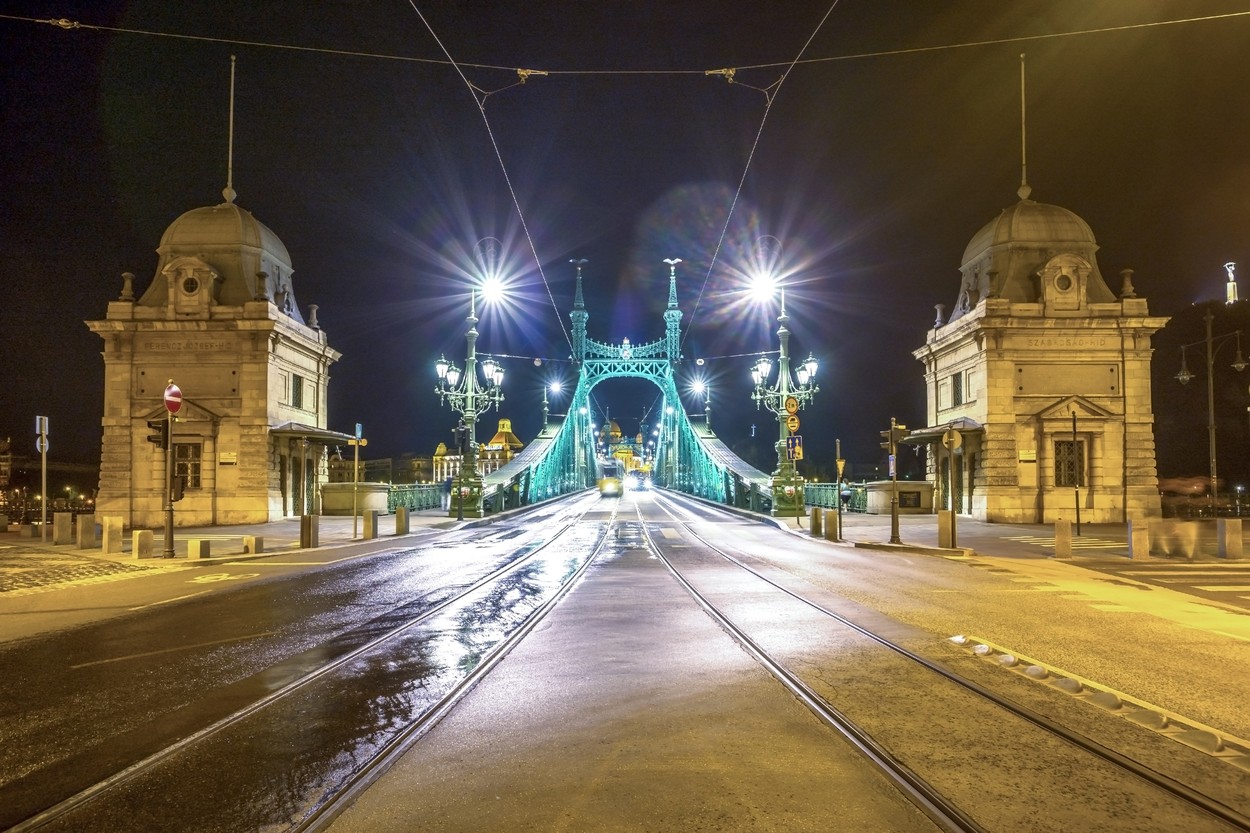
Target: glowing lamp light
{"points": [[440, 367]]}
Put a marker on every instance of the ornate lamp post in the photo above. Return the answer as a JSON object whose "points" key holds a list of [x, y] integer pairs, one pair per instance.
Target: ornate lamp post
{"points": [[470, 398], [785, 398], [1213, 344], [701, 388]]}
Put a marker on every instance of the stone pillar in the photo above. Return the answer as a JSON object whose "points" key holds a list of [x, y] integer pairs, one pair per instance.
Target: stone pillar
{"points": [[1063, 538], [401, 520], [369, 519], [62, 527], [817, 516], [1138, 538], [88, 537], [142, 543], [1228, 534], [253, 544], [831, 525], [945, 520], [111, 539], [199, 548]]}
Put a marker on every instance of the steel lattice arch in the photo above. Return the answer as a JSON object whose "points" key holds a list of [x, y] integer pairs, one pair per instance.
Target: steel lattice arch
{"points": [[688, 456]]}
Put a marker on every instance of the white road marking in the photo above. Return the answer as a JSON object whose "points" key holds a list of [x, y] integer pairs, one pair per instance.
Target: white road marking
{"points": [[172, 650]]}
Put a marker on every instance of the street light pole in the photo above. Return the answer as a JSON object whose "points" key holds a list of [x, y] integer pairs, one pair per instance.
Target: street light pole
{"points": [[1183, 376], [785, 400], [462, 392]]}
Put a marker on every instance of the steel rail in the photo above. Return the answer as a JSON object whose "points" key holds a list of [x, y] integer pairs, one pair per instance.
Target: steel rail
{"points": [[928, 799], [1170, 785], [521, 554]]}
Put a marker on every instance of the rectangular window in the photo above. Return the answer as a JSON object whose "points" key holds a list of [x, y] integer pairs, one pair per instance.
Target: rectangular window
{"points": [[187, 463], [957, 389], [1069, 463], [297, 391]]}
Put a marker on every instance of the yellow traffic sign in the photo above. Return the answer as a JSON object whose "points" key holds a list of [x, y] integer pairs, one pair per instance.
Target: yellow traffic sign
{"points": [[361, 441], [792, 405], [792, 423]]}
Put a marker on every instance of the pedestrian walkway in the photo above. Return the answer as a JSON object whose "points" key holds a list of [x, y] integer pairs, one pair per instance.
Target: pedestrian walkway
{"points": [[30, 565]]}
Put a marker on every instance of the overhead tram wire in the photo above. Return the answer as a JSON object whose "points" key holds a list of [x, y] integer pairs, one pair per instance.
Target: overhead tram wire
{"points": [[480, 95], [65, 23], [516, 203], [769, 98]]}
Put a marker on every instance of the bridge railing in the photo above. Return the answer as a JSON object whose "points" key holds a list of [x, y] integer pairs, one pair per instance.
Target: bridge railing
{"points": [[414, 496], [827, 496]]}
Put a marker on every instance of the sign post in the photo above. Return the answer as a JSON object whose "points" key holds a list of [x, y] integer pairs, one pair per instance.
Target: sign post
{"points": [[41, 444], [173, 402], [952, 440], [356, 444]]}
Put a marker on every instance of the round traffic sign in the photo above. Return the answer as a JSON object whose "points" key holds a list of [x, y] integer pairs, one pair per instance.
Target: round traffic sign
{"points": [[41, 444], [173, 398], [792, 405], [952, 439], [792, 423]]}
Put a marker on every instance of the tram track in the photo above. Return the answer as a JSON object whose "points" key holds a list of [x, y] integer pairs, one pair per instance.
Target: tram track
{"points": [[205, 780], [909, 671]]}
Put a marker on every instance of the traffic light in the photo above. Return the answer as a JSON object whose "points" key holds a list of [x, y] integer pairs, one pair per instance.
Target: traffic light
{"points": [[893, 437], [176, 487], [160, 435]]}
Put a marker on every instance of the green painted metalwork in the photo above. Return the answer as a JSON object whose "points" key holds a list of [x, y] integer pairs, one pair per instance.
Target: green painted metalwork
{"points": [[688, 456], [414, 496]]}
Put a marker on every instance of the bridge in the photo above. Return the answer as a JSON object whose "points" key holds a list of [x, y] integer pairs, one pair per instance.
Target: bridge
{"points": [[688, 458]]}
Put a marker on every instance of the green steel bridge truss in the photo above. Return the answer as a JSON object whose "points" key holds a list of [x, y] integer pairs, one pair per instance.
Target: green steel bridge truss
{"points": [[688, 456]]}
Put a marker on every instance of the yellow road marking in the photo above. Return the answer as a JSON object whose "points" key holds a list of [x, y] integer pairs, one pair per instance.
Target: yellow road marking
{"points": [[1225, 588]]}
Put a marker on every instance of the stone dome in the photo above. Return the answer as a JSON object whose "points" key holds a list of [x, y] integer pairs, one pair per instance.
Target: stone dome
{"points": [[1028, 222], [1003, 259], [236, 246]]}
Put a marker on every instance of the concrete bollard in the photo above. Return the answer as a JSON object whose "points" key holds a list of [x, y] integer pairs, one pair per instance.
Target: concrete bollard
{"points": [[142, 543], [308, 532], [111, 535], [369, 522], [1183, 540], [253, 544], [1138, 539], [817, 517], [401, 520], [199, 548], [26, 530], [62, 527], [88, 534], [1228, 533], [1063, 538], [831, 525], [946, 528], [1160, 528]]}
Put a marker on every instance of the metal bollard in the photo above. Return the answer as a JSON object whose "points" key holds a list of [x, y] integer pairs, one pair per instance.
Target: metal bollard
{"points": [[817, 514]]}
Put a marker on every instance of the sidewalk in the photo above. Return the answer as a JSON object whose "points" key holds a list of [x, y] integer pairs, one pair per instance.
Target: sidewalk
{"points": [[333, 530]]}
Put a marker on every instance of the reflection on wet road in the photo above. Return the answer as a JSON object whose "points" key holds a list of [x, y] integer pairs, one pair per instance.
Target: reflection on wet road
{"points": [[269, 769]]}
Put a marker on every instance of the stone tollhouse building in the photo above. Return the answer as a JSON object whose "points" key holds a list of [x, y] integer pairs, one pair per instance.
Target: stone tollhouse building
{"points": [[1044, 372], [219, 319]]}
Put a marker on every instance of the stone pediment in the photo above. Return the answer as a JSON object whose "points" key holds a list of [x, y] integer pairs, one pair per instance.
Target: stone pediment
{"points": [[1063, 408], [189, 412]]}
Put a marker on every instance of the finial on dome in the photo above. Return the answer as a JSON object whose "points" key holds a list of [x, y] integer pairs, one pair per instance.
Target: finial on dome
{"points": [[1024, 190], [228, 192]]}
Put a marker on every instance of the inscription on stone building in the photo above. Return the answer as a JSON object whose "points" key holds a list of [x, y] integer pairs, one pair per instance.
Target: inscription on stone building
{"points": [[185, 345], [1045, 342]]}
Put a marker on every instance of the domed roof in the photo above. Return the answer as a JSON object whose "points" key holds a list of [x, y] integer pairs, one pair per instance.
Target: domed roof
{"points": [[1003, 259], [1029, 222], [223, 225], [237, 246]]}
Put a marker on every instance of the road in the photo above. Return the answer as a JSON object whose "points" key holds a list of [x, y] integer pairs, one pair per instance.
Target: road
{"points": [[622, 701]]}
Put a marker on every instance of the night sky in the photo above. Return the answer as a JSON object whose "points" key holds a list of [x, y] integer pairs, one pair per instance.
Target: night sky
{"points": [[889, 142]]}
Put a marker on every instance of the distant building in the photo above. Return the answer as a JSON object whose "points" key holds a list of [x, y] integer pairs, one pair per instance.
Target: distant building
{"points": [[491, 456], [220, 320], [1044, 373]]}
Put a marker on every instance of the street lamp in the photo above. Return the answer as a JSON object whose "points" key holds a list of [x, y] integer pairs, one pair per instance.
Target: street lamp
{"points": [[1213, 344], [785, 398], [470, 398], [701, 388]]}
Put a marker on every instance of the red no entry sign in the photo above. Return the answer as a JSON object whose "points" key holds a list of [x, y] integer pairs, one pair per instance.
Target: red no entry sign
{"points": [[173, 398]]}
